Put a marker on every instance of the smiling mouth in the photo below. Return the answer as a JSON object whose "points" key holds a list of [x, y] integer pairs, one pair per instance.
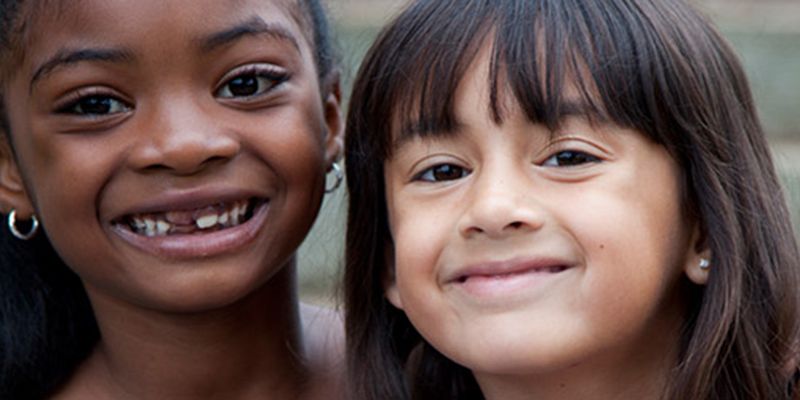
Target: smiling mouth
{"points": [[554, 269], [206, 219]]}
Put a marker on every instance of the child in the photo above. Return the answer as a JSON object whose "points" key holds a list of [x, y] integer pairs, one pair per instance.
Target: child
{"points": [[559, 199], [172, 155]]}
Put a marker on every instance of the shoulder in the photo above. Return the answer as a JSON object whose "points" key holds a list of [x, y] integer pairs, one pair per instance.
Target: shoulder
{"points": [[323, 334], [323, 330]]}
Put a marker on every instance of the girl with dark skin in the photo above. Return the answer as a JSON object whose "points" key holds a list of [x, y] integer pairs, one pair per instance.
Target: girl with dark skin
{"points": [[160, 164]]}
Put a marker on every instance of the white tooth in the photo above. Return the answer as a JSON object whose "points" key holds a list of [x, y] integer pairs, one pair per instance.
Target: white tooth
{"points": [[235, 210], [223, 218], [207, 221], [242, 209], [139, 224], [150, 227], [162, 227], [235, 216]]}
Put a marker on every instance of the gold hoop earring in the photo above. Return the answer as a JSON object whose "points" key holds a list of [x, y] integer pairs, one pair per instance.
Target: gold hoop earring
{"points": [[338, 175], [12, 226]]}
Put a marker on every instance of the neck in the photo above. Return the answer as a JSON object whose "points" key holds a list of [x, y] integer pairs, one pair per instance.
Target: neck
{"points": [[243, 351]]}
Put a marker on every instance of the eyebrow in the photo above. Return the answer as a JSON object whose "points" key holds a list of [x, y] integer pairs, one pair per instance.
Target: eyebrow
{"points": [[66, 57], [255, 26]]}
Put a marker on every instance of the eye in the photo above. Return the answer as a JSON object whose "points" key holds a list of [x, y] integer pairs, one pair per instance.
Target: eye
{"points": [[442, 172], [569, 158], [251, 81], [95, 105]]}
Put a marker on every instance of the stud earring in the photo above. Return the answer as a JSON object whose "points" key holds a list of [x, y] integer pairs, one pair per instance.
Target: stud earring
{"points": [[338, 175], [704, 264], [12, 226]]}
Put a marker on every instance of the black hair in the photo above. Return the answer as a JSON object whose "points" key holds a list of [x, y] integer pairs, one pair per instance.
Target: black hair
{"points": [[655, 66], [47, 322], [325, 54], [47, 326]]}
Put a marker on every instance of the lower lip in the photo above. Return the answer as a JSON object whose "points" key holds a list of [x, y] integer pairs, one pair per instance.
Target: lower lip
{"points": [[198, 245], [506, 286]]}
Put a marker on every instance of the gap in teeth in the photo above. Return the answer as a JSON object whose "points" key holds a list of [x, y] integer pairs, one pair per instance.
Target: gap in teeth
{"points": [[184, 222]]}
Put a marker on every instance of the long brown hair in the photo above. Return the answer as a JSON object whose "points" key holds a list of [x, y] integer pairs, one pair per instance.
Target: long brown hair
{"points": [[655, 66]]}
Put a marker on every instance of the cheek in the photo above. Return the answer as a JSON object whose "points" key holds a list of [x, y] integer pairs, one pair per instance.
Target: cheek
{"points": [[66, 179], [634, 247], [69, 181], [419, 234], [294, 155], [71, 224]]}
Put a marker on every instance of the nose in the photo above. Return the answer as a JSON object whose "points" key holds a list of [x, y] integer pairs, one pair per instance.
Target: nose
{"points": [[502, 203], [181, 138]]}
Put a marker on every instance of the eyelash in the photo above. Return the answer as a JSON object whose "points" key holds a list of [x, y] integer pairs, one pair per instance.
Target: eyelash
{"points": [[82, 102], [264, 74], [455, 171], [579, 156], [94, 103], [428, 174]]}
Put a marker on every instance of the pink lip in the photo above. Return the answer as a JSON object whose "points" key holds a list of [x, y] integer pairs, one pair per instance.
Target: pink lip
{"points": [[508, 268], [503, 278], [197, 245]]}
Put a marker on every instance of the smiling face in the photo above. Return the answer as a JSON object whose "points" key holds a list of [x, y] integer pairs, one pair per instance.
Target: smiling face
{"points": [[175, 155], [520, 251]]}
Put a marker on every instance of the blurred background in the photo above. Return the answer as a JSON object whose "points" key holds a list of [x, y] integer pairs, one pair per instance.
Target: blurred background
{"points": [[765, 33]]}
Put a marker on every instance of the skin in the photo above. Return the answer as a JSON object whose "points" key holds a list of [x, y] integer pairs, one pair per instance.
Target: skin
{"points": [[548, 263], [180, 316]]}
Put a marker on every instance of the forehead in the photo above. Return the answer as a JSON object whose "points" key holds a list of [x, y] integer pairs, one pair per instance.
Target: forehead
{"points": [[64, 10], [55, 25]]}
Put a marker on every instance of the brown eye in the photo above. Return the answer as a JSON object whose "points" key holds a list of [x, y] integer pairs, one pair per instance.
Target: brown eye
{"points": [[569, 158], [442, 172], [95, 106], [246, 86], [251, 82]]}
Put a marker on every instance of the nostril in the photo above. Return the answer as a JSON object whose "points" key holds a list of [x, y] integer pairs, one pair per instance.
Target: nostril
{"points": [[215, 159], [515, 225]]}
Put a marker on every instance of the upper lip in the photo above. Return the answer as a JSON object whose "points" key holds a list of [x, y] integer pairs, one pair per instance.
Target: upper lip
{"points": [[183, 200], [506, 267]]}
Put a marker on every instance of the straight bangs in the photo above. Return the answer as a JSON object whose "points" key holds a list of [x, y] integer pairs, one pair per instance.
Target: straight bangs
{"points": [[625, 61], [554, 59], [534, 58]]}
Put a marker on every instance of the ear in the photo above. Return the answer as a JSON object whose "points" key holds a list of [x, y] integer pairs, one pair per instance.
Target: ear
{"points": [[389, 281], [393, 294], [332, 108], [698, 258], [13, 195]]}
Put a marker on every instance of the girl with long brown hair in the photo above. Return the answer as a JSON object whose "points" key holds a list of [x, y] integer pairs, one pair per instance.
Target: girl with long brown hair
{"points": [[564, 200]]}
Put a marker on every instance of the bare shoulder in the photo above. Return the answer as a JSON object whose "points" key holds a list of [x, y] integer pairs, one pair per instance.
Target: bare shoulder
{"points": [[323, 332]]}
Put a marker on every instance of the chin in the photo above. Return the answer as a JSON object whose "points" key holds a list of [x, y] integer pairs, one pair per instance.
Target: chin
{"points": [[515, 355], [197, 294]]}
